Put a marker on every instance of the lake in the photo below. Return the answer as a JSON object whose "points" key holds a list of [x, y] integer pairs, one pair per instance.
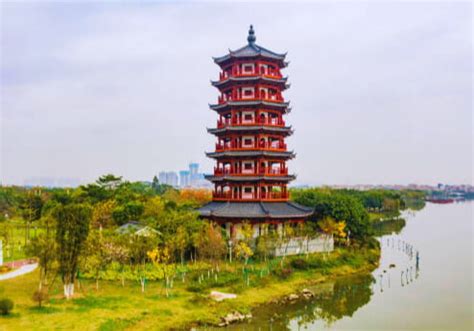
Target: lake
{"points": [[434, 293]]}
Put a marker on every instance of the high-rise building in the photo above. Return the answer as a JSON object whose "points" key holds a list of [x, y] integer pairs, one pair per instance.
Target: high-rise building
{"points": [[251, 177], [168, 178], [194, 174], [184, 178]]}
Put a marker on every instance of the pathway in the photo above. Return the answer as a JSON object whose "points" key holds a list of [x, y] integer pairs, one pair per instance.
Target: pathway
{"points": [[24, 267]]}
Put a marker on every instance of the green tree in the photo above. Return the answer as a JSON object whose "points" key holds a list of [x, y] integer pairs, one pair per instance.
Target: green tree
{"points": [[155, 183], [339, 207], [97, 255], [31, 211], [130, 211], [138, 248], [161, 259], [211, 244], [109, 181], [43, 246], [73, 222]]}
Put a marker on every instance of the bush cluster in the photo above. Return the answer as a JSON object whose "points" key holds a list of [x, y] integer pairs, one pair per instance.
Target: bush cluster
{"points": [[223, 279], [6, 306], [283, 273], [299, 264]]}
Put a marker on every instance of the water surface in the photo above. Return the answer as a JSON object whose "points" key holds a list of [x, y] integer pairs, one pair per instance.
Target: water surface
{"points": [[433, 294]]}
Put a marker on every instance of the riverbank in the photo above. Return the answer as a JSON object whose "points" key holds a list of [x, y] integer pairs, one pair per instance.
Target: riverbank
{"points": [[113, 307]]}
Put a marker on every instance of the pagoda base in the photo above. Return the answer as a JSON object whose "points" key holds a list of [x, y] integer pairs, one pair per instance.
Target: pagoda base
{"points": [[231, 215]]}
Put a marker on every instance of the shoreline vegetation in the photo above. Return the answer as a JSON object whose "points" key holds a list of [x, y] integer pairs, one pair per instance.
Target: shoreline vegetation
{"points": [[119, 308], [116, 255]]}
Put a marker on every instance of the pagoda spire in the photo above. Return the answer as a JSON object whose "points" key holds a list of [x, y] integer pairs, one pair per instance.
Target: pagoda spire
{"points": [[251, 38]]}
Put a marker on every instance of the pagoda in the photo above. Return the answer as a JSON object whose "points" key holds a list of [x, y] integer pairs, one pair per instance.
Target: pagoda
{"points": [[251, 176]]}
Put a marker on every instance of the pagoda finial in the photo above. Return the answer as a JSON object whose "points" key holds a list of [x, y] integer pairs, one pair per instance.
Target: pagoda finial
{"points": [[251, 38]]}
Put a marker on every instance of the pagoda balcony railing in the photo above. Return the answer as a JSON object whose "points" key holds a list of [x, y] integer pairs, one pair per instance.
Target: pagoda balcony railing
{"points": [[269, 74], [269, 196], [256, 97], [263, 145], [252, 172], [258, 121]]}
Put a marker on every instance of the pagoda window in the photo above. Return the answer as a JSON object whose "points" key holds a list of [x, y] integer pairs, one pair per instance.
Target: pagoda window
{"points": [[248, 141], [248, 168], [247, 192], [248, 68], [247, 92], [248, 117]]}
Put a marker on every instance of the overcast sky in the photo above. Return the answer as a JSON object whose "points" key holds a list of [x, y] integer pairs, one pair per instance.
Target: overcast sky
{"points": [[381, 92]]}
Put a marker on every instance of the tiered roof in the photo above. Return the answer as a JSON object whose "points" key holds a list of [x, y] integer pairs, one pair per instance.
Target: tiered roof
{"points": [[239, 210], [245, 210], [251, 50]]}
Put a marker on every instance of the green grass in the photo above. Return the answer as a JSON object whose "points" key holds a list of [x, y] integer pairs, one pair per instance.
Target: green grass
{"points": [[17, 231], [114, 307]]}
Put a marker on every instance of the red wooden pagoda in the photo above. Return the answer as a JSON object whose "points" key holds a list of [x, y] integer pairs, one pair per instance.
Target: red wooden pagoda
{"points": [[251, 175]]}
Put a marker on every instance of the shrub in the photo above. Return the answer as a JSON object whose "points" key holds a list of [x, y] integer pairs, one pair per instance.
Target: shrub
{"points": [[283, 273], [6, 305], [299, 264], [4, 268], [40, 296], [223, 279], [196, 288]]}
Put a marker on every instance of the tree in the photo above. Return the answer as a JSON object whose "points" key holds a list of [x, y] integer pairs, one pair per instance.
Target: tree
{"points": [[154, 208], [73, 222], [180, 242], [120, 254], [109, 181], [130, 211], [195, 197], [40, 296], [243, 251], [286, 237], [138, 248], [31, 211], [161, 257], [245, 235], [332, 228], [211, 243], [155, 183], [338, 206], [44, 248], [97, 255], [265, 243], [102, 214], [7, 237]]}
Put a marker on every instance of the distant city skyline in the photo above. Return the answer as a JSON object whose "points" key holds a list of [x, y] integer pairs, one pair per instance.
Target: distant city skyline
{"points": [[184, 178], [381, 93]]}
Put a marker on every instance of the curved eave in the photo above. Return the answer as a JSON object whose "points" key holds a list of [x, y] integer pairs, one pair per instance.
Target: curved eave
{"points": [[233, 55], [217, 155], [231, 178], [260, 128], [255, 210], [281, 105], [220, 83]]}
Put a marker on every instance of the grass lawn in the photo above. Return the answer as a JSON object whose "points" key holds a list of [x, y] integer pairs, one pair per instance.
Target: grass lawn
{"points": [[17, 232], [114, 307]]}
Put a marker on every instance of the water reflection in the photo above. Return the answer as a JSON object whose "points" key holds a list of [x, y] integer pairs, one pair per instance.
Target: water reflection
{"points": [[343, 297], [400, 295], [333, 301], [409, 262]]}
